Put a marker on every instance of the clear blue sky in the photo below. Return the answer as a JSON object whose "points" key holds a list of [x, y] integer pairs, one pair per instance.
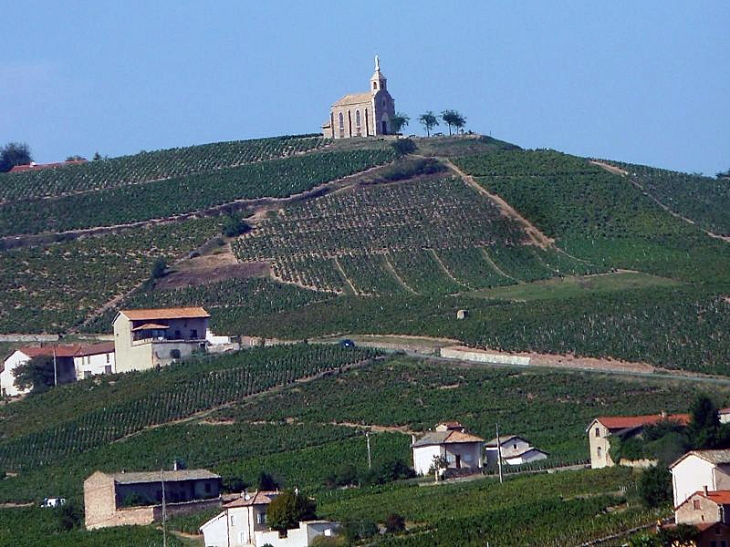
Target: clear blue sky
{"points": [[640, 81]]}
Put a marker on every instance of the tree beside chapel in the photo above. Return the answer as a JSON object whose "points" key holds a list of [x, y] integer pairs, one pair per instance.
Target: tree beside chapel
{"points": [[363, 114]]}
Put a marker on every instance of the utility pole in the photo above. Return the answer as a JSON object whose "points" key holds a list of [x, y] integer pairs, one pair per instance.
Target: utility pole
{"points": [[499, 456], [164, 512], [370, 458], [55, 368]]}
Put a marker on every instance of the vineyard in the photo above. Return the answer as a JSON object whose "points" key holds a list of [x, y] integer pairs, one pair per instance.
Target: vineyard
{"points": [[426, 236], [149, 166], [124, 204], [550, 408], [672, 327], [252, 296], [528, 508], [704, 200], [51, 288], [114, 409]]}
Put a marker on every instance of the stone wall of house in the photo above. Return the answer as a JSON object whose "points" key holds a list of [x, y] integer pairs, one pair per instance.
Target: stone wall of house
{"points": [[706, 511]]}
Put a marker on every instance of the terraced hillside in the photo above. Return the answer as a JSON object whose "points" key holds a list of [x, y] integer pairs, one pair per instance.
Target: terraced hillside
{"points": [[353, 237]]}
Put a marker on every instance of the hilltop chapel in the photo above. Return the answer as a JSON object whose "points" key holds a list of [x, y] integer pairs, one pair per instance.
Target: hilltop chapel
{"points": [[362, 114]]}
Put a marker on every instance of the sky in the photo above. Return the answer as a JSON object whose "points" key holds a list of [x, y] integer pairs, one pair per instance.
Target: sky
{"points": [[644, 82]]}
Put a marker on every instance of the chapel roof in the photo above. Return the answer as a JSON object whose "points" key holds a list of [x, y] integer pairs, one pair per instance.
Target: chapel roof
{"points": [[354, 98]]}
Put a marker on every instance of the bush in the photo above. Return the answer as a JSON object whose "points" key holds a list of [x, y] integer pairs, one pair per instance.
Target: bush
{"points": [[395, 523], [404, 146], [357, 529], [655, 486], [159, 267]]}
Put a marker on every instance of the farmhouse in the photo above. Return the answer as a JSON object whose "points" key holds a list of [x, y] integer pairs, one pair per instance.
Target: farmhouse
{"points": [[514, 450], [602, 428], [362, 114], [243, 523], [699, 470], [95, 359], [117, 499], [64, 356], [704, 506], [147, 338], [461, 449]]}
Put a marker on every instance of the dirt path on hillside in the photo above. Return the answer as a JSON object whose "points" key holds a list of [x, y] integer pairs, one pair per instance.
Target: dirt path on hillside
{"points": [[535, 235], [665, 207]]}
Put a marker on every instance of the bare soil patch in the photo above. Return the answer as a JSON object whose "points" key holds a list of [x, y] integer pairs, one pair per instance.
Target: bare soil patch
{"points": [[211, 268]]}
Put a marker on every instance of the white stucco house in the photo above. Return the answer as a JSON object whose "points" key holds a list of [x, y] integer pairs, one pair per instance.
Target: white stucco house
{"points": [[700, 470], [515, 451], [242, 523], [462, 450], [95, 359]]}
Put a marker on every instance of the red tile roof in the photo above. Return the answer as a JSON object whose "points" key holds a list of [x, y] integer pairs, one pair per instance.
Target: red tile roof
{"points": [[627, 422], [95, 349], [720, 497], [39, 166], [68, 350], [165, 313], [48, 351]]}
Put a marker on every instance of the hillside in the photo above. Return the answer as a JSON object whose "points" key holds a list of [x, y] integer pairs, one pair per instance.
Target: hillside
{"points": [[354, 237], [300, 412]]}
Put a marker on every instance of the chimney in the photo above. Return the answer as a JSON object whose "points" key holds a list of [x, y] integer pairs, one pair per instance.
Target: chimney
{"points": [[705, 489], [664, 413]]}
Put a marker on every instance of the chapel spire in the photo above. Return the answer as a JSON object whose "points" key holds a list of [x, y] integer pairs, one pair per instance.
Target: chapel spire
{"points": [[378, 82]]}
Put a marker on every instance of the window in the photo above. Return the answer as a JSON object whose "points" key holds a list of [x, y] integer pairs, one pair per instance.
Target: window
{"points": [[194, 334], [261, 518], [108, 369], [87, 374], [723, 543], [108, 356], [713, 543], [177, 335], [598, 432], [375, 85], [207, 488], [233, 520], [342, 121], [514, 446], [696, 504], [599, 451], [357, 118]]}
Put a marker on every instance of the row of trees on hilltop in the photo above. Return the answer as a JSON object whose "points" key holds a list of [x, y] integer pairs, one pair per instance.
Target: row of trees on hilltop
{"points": [[12, 154], [429, 120]]}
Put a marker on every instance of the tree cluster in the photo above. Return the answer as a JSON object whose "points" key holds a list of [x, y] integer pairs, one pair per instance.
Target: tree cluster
{"points": [[349, 475], [12, 154], [452, 118], [288, 509], [38, 374]]}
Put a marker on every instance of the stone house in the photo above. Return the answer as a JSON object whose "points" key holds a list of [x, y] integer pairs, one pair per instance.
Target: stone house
{"points": [[704, 507], [242, 523], [514, 450], [603, 428], [147, 338], [699, 470], [462, 450], [362, 114], [117, 499]]}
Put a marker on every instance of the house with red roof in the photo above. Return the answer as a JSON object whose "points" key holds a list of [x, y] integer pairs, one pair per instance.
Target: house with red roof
{"points": [[700, 470], [704, 507], [73, 362], [462, 450], [147, 338], [603, 428]]}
